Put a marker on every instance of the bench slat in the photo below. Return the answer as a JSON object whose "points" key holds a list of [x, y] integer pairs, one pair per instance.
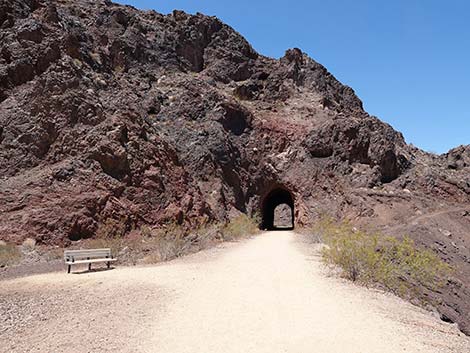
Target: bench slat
{"points": [[84, 254], [89, 261], [86, 251], [97, 249], [89, 255]]}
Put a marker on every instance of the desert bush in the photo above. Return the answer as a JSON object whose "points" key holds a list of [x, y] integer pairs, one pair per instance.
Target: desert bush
{"points": [[111, 228], [29, 244], [115, 244], [166, 242], [169, 241], [153, 245], [398, 265], [53, 254], [9, 254], [237, 227], [119, 68], [174, 240], [146, 231]]}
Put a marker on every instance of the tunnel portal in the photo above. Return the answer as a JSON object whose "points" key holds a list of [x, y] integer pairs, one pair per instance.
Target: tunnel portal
{"points": [[269, 207]]}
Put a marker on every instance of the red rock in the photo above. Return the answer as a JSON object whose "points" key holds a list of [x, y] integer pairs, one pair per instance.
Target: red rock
{"points": [[110, 112]]}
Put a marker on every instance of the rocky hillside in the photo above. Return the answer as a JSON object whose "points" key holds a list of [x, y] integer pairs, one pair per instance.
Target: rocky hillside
{"points": [[111, 112]]}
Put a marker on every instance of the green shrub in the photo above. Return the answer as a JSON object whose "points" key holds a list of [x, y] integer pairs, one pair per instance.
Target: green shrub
{"points": [[240, 226], [397, 265], [9, 254]]}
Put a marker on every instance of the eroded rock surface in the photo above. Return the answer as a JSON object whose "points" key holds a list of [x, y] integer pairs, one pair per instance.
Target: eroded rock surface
{"points": [[111, 112]]}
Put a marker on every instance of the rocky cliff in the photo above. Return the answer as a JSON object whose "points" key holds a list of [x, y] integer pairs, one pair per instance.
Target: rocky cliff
{"points": [[111, 112]]}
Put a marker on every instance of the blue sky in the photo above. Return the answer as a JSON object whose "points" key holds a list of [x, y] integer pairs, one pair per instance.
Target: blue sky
{"points": [[408, 60]]}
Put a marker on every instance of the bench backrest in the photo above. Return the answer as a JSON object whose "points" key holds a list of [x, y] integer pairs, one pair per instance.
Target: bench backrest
{"points": [[89, 254]]}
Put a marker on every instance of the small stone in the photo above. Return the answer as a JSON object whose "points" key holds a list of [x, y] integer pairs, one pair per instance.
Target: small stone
{"points": [[446, 233]]}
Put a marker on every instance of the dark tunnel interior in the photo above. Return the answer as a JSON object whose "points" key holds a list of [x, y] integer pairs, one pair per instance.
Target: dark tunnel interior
{"points": [[273, 199]]}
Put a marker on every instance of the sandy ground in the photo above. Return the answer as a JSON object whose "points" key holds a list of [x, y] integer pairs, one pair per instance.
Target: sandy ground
{"points": [[266, 294]]}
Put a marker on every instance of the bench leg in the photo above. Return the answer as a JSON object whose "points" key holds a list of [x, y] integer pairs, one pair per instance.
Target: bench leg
{"points": [[108, 264], [89, 267], [68, 270]]}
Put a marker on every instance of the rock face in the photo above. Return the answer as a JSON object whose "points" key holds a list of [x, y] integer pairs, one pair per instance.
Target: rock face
{"points": [[110, 112]]}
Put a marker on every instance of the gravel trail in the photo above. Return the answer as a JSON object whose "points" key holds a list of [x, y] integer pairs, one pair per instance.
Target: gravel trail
{"points": [[266, 294]]}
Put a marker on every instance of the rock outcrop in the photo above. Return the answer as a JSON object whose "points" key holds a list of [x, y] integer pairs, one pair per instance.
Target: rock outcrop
{"points": [[111, 112]]}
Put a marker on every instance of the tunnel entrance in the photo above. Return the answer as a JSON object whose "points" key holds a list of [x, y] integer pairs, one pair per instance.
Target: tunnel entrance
{"points": [[277, 210]]}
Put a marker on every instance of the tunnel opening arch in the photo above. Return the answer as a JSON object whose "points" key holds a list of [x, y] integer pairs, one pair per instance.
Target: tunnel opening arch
{"points": [[277, 196]]}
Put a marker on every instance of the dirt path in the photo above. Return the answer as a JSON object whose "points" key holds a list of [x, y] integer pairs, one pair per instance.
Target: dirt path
{"points": [[438, 213], [266, 294]]}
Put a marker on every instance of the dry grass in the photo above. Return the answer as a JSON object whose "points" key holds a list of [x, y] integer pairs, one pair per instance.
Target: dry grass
{"points": [[167, 243], [115, 244], [239, 227], [9, 254], [163, 243], [396, 265], [78, 63], [29, 244], [153, 244], [53, 254], [156, 244], [111, 229], [173, 240], [119, 69], [96, 57]]}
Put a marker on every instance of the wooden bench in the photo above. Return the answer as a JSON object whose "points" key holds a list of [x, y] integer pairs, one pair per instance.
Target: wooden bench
{"points": [[75, 257]]}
